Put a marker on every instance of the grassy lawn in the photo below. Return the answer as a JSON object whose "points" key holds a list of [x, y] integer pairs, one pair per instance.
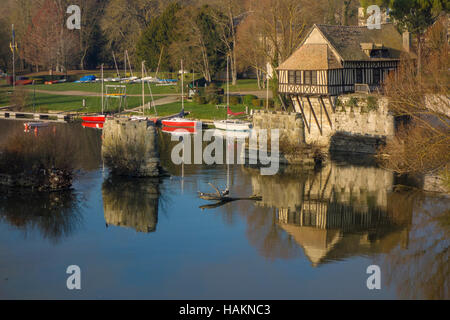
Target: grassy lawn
{"points": [[197, 111], [49, 102], [97, 88], [3, 93], [243, 85]]}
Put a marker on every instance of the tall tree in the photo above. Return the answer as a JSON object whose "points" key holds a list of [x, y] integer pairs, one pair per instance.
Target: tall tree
{"points": [[124, 22], [252, 49], [199, 42], [91, 13], [153, 46], [416, 16], [228, 14], [48, 43]]}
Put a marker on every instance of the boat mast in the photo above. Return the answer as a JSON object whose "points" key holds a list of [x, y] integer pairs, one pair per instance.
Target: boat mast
{"points": [[103, 82], [228, 108], [143, 89], [182, 87]]}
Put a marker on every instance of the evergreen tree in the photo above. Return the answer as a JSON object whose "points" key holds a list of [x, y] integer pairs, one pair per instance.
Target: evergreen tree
{"points": [[153, 47]]}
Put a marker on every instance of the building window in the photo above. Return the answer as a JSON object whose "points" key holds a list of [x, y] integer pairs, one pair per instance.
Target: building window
{"points": [[291, 77], [307, 75], [314, 77], [298, 77], [310, 77], [359, 76], [295, 77], [376, 76]]}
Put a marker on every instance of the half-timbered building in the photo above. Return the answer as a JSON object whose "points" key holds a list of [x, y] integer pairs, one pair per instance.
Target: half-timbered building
{"points": [[335, 60]]}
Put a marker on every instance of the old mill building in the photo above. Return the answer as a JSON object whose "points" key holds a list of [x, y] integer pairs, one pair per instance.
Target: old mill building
{"points": [[335, 60]]}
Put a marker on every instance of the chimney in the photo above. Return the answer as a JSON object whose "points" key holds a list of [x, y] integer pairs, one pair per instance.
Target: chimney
{"points": [[407, 41]]}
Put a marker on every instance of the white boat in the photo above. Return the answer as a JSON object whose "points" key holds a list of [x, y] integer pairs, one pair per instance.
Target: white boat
{"points": [[138, 118], [230, 124], [233, 125]]}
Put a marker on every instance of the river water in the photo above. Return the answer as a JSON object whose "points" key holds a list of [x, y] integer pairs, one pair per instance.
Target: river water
{"points": [[313, 235]]}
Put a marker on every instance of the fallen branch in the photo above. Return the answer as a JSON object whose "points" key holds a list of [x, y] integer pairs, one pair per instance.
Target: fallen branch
{"points": [[222, 198]]}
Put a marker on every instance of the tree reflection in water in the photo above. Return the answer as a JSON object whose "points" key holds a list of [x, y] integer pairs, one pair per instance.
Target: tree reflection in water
{"points": [[55, 215], [421, 270], [132, 203]]}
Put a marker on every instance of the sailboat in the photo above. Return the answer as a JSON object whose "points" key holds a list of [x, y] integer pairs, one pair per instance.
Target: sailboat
{"points": [[95, 121], [179, 120], [143, 117], [232, 125]]}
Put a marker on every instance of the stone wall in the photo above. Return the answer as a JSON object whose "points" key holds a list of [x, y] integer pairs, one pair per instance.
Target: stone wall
{"points": [[289, 124], [130, 148], [357, 125]]}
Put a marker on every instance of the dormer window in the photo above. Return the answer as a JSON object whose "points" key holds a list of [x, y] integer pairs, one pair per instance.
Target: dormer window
{"points": [[375, 50]]}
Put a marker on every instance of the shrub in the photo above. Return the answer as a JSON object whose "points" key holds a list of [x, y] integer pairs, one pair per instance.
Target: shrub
{"points": [[372, 103], [213, 99], [256, 103], [352, 102], [234, 100], [248, 99], [48, 159], [199, 99]]}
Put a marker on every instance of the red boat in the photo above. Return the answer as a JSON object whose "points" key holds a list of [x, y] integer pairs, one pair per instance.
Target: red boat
{"points": [[182, 123], [95, 125], [180, 131], [96, 118]]}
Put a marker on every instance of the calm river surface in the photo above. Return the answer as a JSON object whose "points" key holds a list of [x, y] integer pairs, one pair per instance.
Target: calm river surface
{"points": [[313, 236]]}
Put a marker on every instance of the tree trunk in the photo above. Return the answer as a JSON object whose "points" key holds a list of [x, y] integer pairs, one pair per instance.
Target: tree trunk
{"points": [[258, 78], [419, 54]]}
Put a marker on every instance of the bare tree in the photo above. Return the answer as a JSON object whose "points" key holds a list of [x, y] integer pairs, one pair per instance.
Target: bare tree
{"points": [[422, 145]]}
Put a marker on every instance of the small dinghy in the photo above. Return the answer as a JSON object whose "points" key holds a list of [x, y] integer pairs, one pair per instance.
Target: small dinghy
{"points": [[233, 125], [94, 118], [182, 123]]}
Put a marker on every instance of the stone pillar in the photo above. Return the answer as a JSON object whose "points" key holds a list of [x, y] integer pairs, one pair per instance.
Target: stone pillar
{"points": [[130, 148]]}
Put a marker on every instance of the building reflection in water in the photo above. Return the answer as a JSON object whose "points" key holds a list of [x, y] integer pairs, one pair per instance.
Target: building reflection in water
{"points": [[131, 203], [335, 213], [55, 215]]}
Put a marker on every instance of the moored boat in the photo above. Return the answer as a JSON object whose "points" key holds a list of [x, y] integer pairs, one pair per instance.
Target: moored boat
{"points": [[179, 131], [182, 123], [94, 118], [233, 125]]}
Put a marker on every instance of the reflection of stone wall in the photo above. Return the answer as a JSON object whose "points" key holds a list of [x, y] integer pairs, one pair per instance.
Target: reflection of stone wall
{"points": [[281, 191], [130, 148], [359, 187], [131, 204]]}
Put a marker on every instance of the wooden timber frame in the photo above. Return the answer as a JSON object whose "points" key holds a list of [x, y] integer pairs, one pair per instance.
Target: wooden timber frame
{"points": [[314, 115]]}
